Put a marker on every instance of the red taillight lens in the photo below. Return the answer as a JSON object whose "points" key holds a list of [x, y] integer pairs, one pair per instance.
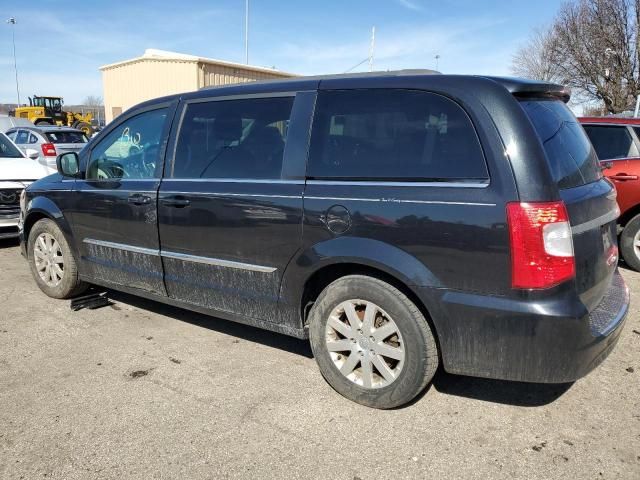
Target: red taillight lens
{"points": [[541, 244], [48, 149]]}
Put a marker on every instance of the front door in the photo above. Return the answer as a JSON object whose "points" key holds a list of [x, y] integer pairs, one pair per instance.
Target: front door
{"points": [[229, 220], [115, 215]]}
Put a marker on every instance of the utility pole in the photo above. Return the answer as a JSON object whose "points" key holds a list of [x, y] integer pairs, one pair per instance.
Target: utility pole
{"points": [[372, 47], [246, 32], [12, 22], [437, 57]]}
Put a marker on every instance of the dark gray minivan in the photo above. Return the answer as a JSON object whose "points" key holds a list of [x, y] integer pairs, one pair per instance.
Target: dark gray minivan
{"points": [[400, 221]]}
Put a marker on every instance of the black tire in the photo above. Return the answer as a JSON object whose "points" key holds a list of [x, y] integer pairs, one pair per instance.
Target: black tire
{"points": [[85, 127], [421, 352], [70, 285], [629, 252], [44, 123]]}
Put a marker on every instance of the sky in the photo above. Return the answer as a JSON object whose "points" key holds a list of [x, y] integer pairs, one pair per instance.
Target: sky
{"points": [[61, 44]]}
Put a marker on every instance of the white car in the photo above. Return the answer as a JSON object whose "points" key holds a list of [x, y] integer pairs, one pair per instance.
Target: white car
{"points": [[17, 171]]}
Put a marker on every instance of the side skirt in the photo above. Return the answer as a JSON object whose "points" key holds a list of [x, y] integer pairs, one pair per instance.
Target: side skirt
{"points": [[301, 333]]}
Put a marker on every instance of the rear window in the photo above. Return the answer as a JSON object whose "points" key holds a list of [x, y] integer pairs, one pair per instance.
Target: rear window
{"points": [[387, 134], [66, 137], [572, 159]]}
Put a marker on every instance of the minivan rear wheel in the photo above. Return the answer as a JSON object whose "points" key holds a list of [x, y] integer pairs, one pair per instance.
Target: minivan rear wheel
{"points": [[630, 243], [52, 263], [372, 344]]}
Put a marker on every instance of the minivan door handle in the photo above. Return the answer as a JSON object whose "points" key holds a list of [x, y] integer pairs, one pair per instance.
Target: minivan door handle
{"points": [[139, 199], [177, 201], [623, 177]]}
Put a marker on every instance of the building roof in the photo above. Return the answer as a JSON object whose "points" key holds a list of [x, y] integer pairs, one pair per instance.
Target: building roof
{"points": [[163, 55]]}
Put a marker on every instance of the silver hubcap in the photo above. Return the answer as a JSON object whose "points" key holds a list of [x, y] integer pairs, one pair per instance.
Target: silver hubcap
{"points": [[636, 244], [365, 344], [47, 255]]}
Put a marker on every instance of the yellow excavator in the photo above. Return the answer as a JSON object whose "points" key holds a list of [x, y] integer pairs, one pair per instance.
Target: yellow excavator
{"points": [[48, 111]]}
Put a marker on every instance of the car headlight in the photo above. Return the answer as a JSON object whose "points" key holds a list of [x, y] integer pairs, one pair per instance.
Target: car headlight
{"points": [[23, 200]]}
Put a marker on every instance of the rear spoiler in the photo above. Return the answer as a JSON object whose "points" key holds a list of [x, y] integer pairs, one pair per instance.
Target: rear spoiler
{"points": [[524, 88]]}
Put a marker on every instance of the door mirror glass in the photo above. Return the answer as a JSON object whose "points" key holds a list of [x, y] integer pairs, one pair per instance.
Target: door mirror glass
{"points": [[68, 164], [32, 154]]}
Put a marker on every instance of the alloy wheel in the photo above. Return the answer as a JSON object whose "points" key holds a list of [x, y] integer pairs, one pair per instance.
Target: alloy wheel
{"points": [[365, 343], [48, 258]]}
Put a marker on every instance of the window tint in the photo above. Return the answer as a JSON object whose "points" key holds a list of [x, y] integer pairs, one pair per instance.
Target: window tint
{"points": [[66, 137], [393, 134], [33, 138], [572, 160], [131, 150], [7, 149], [233, 139], [611, 142], [22, 137]]}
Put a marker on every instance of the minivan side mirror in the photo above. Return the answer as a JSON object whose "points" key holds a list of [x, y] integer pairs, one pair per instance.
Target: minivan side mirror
{"points": [[31, 153], [68, 164]]}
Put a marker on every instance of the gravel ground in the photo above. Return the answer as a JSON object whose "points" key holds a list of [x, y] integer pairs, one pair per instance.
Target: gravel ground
{"points": [[142, 390]]}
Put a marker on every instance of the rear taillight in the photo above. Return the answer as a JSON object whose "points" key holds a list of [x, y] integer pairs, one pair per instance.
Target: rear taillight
{"points": [[48, 149], [541, 244]]}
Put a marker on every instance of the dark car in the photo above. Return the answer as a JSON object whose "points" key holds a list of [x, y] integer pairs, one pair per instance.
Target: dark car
{"points": [[399, 221], [617, 143]]}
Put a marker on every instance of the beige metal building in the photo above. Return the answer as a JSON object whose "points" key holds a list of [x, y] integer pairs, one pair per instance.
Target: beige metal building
{"points": [[158, 73]]}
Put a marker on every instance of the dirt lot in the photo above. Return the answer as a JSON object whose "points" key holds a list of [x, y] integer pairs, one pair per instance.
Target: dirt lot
{"points": [[141, 390]]}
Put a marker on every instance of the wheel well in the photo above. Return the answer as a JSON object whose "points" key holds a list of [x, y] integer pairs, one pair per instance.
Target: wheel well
{"points": [[323, 277], [628, 215], [30, 222]]}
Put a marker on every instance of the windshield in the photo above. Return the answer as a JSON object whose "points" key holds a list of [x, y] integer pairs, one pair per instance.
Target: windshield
{"points": [[66, 137], [572, 159], [8, 149]]}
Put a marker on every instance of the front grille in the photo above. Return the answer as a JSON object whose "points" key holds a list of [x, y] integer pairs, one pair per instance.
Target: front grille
{"points": [[614, 304], [10, 202]]}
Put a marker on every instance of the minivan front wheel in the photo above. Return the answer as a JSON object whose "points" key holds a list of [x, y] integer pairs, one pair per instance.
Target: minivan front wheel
{"points": [[371, 343], [52, 263], [630, 243]]}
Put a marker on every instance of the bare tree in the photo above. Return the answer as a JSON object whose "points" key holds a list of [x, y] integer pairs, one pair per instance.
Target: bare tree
{"points": [[534, 59], [593, 47], [93, 101]]}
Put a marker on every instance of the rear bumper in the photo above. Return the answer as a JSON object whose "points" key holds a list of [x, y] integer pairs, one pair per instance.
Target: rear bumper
{"points": [[554, 341]]}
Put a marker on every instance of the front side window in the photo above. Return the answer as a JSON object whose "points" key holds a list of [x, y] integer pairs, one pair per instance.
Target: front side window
{"points": [[611, 142], [233, 139], [393, 135], [131, 150]]}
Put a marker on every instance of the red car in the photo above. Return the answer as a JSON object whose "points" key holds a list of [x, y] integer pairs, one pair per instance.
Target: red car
{"points": [[617, 143]]}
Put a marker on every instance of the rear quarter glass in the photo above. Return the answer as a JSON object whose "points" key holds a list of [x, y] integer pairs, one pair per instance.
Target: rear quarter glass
{"points": [[572, 160]]}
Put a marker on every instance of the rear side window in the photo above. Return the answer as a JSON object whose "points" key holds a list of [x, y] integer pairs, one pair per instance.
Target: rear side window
{"points": [[611, 142], [66, 137], [233, 139], [393, 135], [22, 137], [572, 160]]}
